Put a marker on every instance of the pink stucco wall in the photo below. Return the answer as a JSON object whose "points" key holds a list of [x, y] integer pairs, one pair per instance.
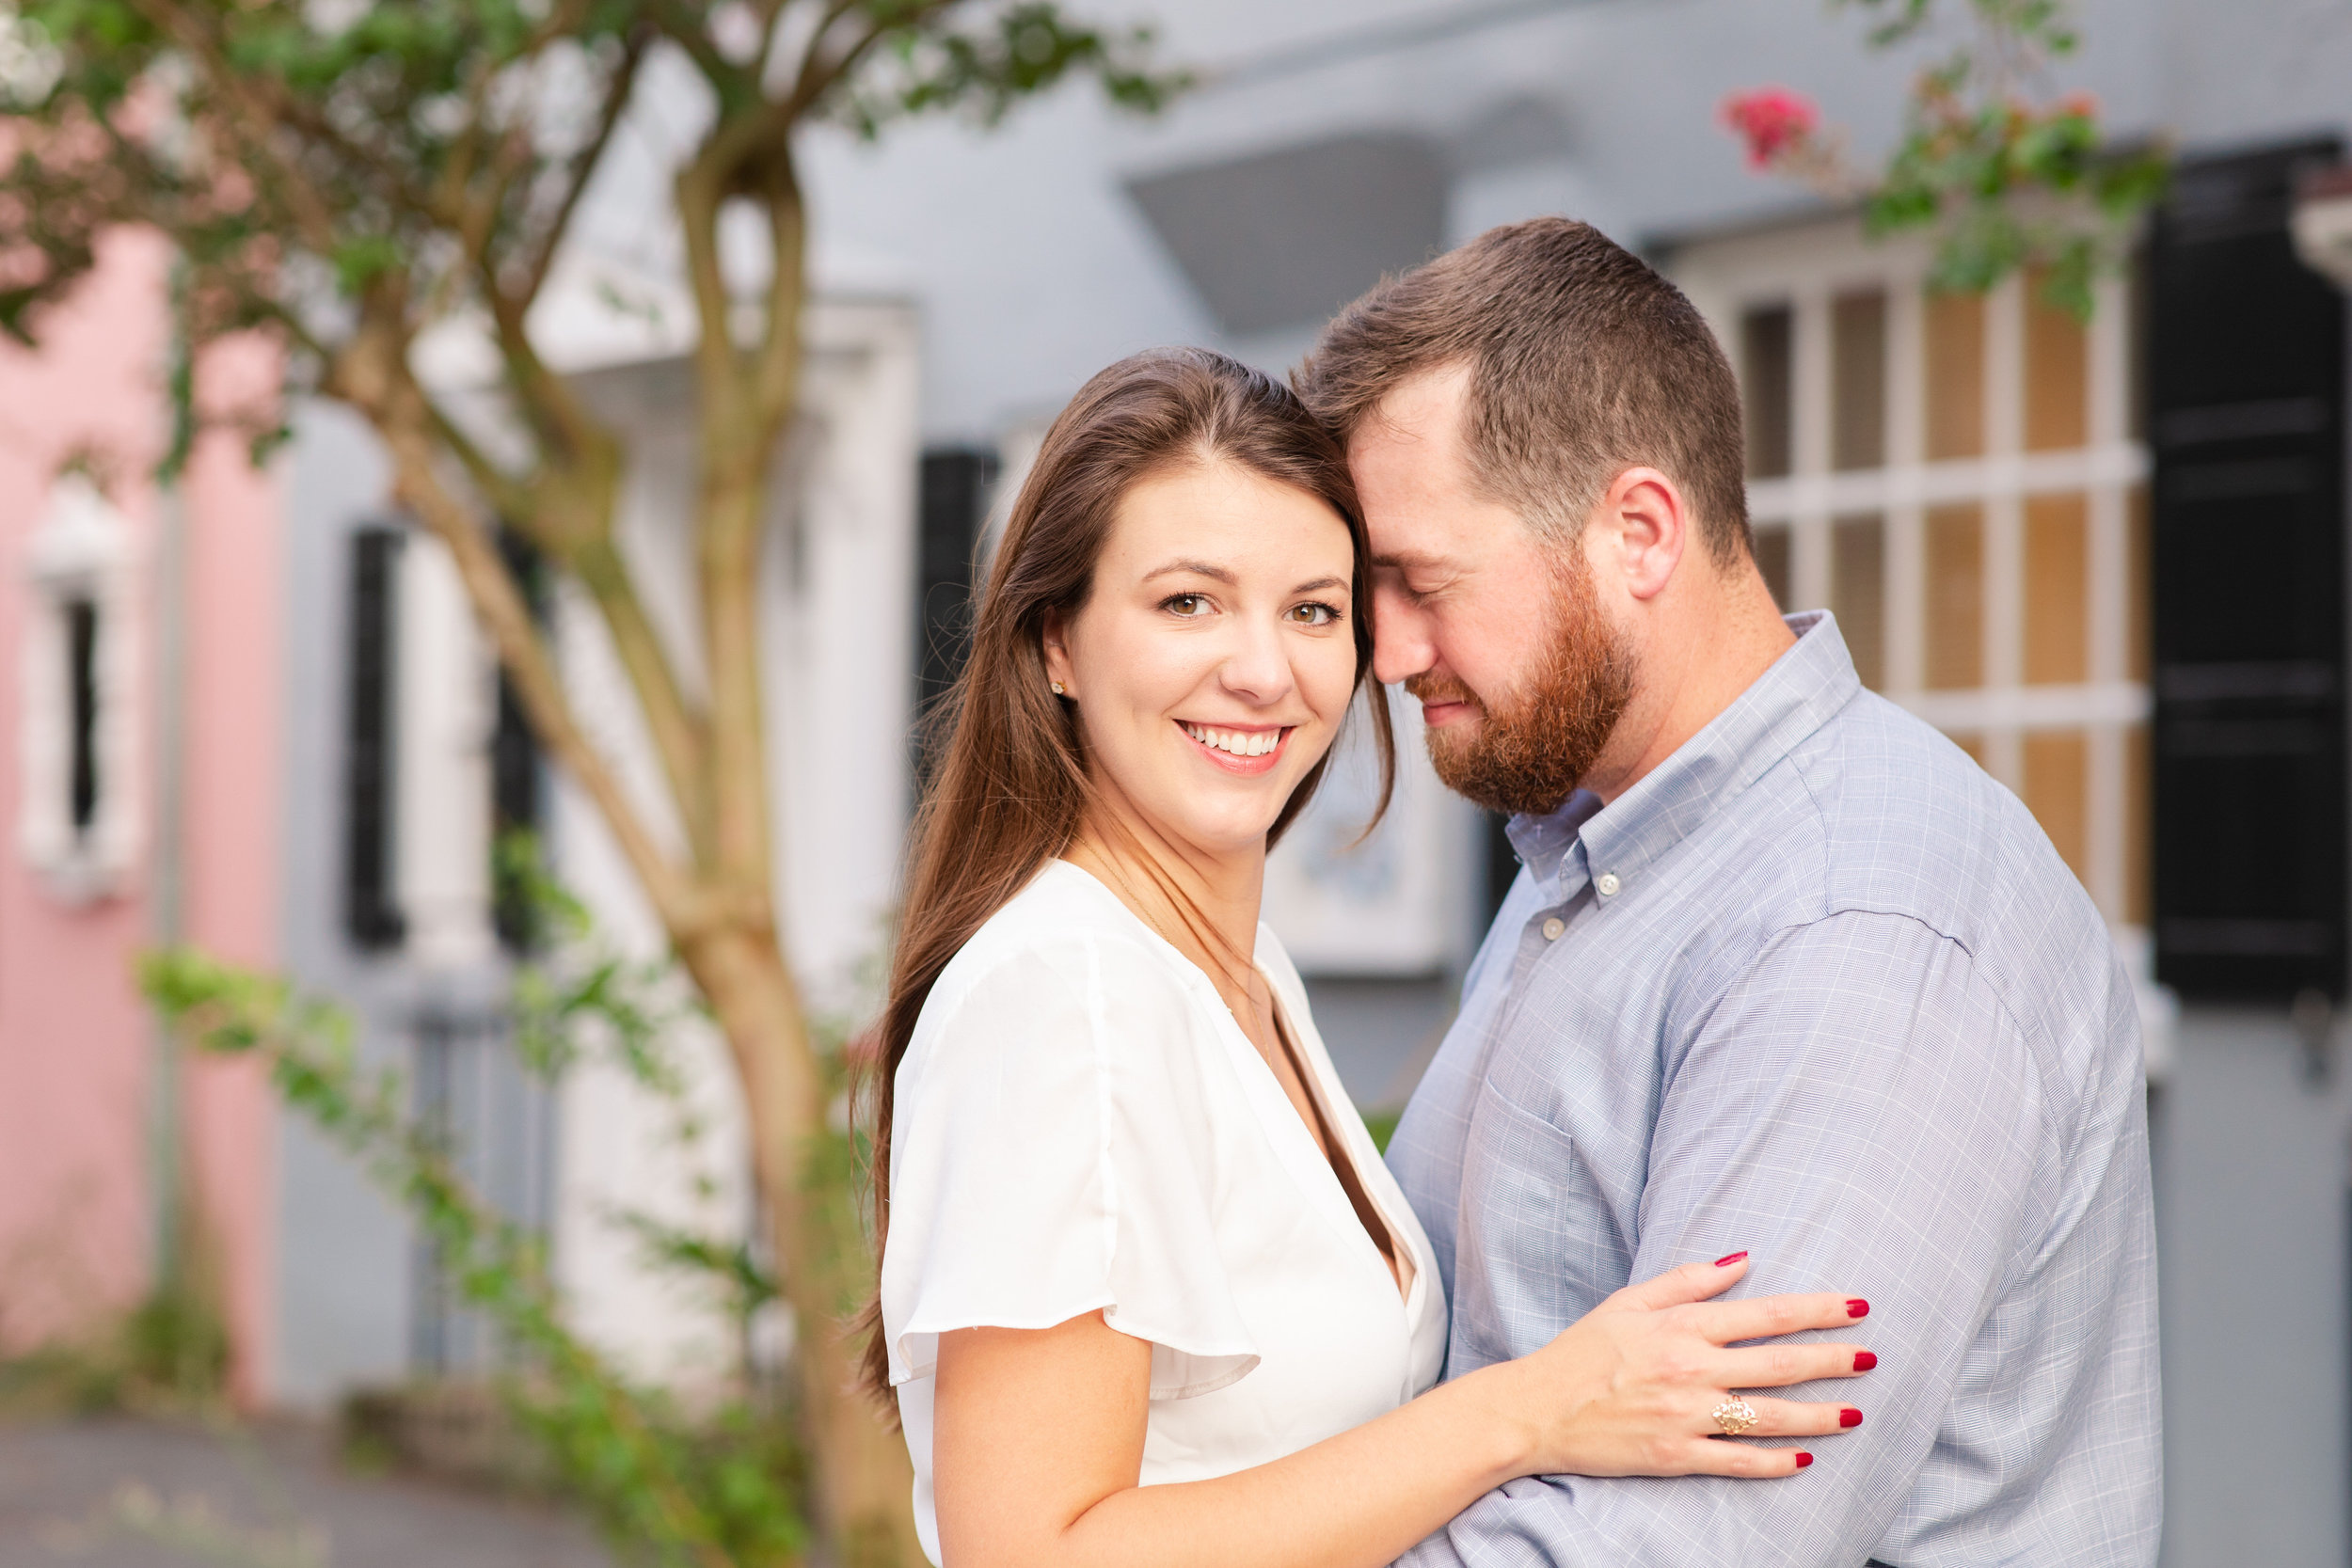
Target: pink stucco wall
{"points": [[76, 1043]]}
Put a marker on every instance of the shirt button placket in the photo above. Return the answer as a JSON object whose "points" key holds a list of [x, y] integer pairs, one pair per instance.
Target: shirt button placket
{"points": [[1553, 929]]}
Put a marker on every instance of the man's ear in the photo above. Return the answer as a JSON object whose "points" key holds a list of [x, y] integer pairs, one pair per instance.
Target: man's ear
{"points": [[1644, 531]]}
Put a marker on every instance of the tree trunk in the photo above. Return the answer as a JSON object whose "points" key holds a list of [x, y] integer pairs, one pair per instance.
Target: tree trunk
{"points": [[861, 1482]]}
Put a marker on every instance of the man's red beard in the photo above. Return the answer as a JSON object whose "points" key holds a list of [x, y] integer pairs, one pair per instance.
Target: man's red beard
{"points": [[1530, 754]]}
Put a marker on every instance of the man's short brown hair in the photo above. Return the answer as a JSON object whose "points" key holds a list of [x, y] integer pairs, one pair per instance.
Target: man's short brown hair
{"points": [[1584, 362]]}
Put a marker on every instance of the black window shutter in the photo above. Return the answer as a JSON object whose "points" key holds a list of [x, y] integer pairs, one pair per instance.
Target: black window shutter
{"points": [[2246, 389], [371, 915], [516, 773], [953, 498]]}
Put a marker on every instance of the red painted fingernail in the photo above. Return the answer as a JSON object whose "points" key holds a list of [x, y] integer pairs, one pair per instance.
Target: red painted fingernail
{"points": [[1727, 1263], [1864, 1359], [1803, 1459], [1857, 1309], [1850, 1417]]}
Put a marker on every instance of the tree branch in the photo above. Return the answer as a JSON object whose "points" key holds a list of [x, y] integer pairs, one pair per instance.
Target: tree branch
{"points": [[566, 430], [732, 462], [310, 212], [776, 370], [508, 495], [619, 92], [820, 75], [684, 27], [681, 736]]}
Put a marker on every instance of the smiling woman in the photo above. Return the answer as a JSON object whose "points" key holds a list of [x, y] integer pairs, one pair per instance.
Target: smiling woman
{"points": [[1148, 1295]]}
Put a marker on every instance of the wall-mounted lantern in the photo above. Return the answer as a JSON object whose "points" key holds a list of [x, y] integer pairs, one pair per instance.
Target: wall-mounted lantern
{"points": [[2323, 223]]}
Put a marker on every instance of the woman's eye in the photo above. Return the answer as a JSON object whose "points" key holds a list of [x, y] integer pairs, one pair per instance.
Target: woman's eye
{"points": [[1187, 605], [1314, 614]]}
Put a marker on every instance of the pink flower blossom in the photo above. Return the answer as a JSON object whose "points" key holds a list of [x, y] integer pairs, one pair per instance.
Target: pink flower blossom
{"points": [[1771, 120]]}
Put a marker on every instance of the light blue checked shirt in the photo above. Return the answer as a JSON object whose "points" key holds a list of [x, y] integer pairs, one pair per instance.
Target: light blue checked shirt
{"points": [[1826, 993]]}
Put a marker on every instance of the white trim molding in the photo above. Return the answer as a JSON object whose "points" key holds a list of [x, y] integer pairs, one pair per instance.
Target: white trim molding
{"points": [[83, 553]]}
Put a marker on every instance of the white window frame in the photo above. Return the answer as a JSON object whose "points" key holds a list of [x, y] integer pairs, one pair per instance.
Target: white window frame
{"points": [[1806, 266], [82, 551]]}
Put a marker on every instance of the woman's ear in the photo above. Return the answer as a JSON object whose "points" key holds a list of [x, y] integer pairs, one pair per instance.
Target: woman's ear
{"points": [[1058, 655]]}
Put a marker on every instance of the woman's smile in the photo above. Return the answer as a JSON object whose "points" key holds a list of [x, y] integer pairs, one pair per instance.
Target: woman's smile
{"points": [[1247, 750]]}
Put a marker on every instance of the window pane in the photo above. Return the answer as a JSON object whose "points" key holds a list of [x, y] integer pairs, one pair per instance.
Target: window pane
{"points": [[2136, 657], [1858, 381], [2057, 765], [2138, 898], [2058, 375], [1955, 369], [1857, 593], [1766, 362], [2058, 586], [1955, 628], [1772, 559], [81, 637]]}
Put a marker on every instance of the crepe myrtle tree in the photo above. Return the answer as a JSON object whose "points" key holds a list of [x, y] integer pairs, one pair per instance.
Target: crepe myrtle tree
{"points": [[2005, 172], [342, 176]]}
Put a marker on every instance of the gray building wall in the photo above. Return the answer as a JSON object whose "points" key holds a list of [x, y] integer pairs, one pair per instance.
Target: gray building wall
{"points": [[342, 1304], [2251, 1220]]}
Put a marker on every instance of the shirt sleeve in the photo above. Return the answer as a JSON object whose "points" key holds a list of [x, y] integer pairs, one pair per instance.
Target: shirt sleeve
{"points": [[1050, 1157], [1861, 1114]]}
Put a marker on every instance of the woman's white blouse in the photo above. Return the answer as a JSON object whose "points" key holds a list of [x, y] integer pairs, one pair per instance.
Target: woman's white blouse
{"points": [[1080, 1125]]}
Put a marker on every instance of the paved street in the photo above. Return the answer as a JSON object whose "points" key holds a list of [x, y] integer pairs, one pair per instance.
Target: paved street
{"points": [[123, 1494]]}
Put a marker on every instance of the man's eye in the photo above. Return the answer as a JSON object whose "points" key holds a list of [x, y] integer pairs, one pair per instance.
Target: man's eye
{"points": [[1187, 605]]}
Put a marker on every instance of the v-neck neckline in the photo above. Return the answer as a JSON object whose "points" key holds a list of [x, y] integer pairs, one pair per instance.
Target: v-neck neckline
{"points": [[1294, 1141]]}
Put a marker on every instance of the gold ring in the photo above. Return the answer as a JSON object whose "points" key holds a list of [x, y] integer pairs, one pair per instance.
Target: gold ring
{"points": [[1736, 1416]]}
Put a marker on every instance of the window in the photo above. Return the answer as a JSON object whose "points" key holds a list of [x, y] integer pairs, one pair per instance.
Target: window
{"points": [[429, 768], [79, 821], [1955, 477]]}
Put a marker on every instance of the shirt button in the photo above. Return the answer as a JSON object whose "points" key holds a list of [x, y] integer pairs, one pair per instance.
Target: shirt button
{"points": [[1607, 883], [1553, 929]]}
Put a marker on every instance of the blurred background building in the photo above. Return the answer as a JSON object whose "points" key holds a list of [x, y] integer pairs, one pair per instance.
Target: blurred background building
{"points": [[2107, 560]]}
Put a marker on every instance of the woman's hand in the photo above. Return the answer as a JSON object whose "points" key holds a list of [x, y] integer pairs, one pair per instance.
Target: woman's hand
{"points": [[1633, 1388]]}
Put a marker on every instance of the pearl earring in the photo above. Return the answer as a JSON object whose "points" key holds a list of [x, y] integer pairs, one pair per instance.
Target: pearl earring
{"points": [[1057, 689]]}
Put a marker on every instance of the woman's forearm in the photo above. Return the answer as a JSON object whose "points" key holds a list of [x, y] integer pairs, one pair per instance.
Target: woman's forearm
{"points": [[1356, 1500], [1040, 1435]]}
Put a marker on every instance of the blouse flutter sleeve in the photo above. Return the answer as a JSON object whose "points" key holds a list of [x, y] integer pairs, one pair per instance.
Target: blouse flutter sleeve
{"points": [[1052, 1156]]}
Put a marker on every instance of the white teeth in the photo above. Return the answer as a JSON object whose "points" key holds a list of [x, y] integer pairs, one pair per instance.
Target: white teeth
{"points": [[1241, 743]]}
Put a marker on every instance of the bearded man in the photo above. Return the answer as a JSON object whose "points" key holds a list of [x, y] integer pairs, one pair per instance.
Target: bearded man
{"points": [[1784, 972]]}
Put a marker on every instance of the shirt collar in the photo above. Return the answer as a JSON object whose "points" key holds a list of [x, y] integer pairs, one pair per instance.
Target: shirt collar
{"points": [[1795, 696]]}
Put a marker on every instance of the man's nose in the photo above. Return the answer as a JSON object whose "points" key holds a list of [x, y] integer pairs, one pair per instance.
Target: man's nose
{"points": [[1402, 644]]}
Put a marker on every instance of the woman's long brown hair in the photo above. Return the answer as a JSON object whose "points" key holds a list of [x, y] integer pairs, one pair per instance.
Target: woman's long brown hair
{"points": [[1011, 786]]}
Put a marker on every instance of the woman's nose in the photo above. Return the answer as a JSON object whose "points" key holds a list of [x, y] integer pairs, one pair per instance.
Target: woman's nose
{"points": [[1257, 667]]}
